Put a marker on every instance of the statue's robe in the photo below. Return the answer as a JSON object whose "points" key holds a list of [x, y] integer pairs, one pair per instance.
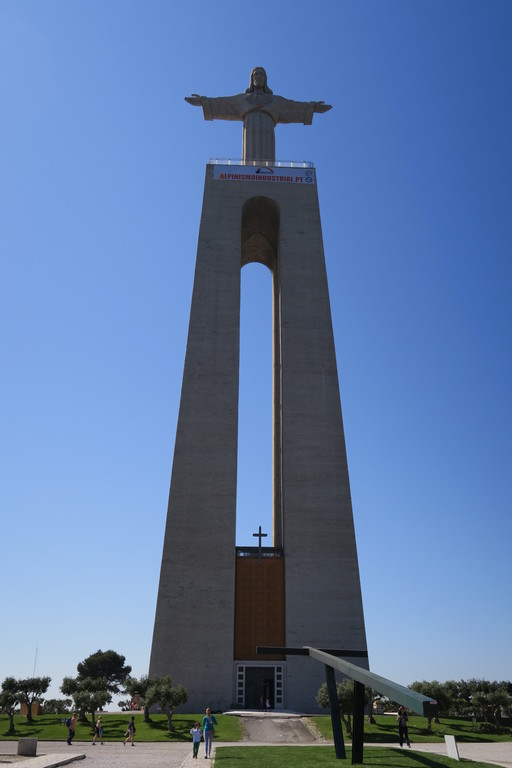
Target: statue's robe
{"points": [[260, 113]]}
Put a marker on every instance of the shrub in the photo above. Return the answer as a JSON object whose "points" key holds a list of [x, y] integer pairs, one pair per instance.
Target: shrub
{"points": [[491, 728]]}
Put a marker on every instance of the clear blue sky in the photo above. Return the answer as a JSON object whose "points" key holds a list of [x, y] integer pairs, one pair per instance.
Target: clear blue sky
{"points": [[101, 179]]}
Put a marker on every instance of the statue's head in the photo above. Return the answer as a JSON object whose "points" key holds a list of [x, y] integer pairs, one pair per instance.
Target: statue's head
{"points": [[258, 80]]}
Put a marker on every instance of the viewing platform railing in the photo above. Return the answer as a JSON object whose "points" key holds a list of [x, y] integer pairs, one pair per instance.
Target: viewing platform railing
{"points": [[255, 552], [268, 163]]}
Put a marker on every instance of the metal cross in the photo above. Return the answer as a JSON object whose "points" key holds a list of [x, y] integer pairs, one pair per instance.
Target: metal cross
{"points": [[260, 535]]}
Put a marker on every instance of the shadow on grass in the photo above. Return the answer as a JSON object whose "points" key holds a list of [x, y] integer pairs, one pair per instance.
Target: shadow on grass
{"points": [[464, 736], [420, 759], [181, 731], [24, 732]]}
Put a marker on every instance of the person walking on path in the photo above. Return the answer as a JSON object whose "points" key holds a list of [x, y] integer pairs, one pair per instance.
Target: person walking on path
{"points": [[196, 739], [71, 724], [130, 733], [209, 723], [98, 731], [403, 731]]}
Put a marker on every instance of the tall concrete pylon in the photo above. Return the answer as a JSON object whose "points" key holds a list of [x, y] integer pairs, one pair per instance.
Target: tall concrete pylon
{"points": [[216, 603]]}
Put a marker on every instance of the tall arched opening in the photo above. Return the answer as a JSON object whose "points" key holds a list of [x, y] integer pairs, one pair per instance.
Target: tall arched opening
{"points": [[260, 245], [254, 501], [259, 590]]}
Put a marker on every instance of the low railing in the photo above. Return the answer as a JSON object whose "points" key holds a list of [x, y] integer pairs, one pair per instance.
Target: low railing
{"points": [[273, 164], [255, 552]]}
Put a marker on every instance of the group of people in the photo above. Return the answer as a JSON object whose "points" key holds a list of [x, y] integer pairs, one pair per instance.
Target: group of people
{"points": [[98, 730], [207, 731]]}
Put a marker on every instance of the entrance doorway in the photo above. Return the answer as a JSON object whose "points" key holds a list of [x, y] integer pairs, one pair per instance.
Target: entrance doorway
{"points": [[257, 685]]}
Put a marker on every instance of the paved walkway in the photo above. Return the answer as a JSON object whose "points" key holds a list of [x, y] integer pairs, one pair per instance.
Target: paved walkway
{"points": [[157, 755], [111, 755]]}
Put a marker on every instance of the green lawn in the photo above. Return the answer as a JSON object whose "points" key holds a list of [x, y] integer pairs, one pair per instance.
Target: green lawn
{"points": [[49, 728], [386, 730], [318, 757]]}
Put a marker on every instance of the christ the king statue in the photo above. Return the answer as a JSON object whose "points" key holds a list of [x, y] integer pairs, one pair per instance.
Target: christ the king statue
{"points": [[260, 111]]}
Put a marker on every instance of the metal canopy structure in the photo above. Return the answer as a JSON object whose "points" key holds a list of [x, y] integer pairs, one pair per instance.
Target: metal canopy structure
{"points": [[336, 660]]}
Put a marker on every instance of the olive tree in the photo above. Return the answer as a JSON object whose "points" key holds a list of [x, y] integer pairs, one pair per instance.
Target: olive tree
{"points": [[89, 695], [9, 701], [167, 696], [31, 689], [345, 693], [139, 686], [437, 691]]}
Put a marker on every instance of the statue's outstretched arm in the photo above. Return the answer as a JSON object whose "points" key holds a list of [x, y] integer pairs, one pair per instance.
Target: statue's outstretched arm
{"points": [[219, 107], [320, 106], [195, 99]]}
